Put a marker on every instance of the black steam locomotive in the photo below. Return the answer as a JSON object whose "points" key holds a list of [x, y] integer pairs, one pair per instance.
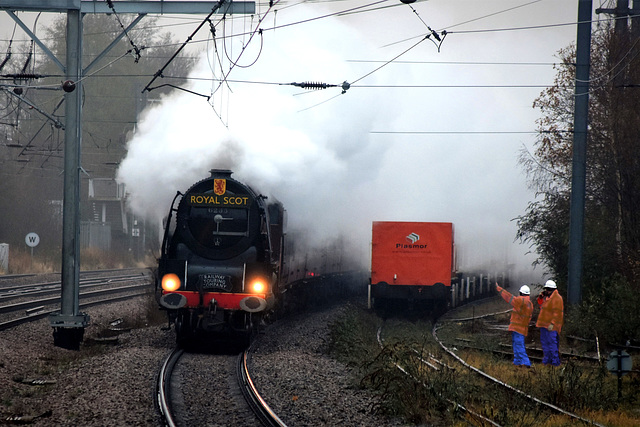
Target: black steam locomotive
{"points": [[221, 259]]}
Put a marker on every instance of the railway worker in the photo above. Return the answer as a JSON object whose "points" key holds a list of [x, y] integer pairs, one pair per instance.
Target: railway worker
{"points": [[519, 323], [550, 322]]}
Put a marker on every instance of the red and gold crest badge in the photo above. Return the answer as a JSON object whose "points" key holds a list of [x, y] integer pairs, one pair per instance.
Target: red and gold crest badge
{"points": [[219, 186]]}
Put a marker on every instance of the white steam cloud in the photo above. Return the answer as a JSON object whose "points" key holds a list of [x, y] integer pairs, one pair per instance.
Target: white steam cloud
{"points": [[333, 172]]}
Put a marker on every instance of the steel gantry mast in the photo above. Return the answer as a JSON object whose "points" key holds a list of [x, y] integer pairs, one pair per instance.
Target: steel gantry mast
{"points": [[69, 323]]}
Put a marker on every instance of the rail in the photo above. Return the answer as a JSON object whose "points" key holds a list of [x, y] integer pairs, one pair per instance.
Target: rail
{"points": [[163, 395], [265, 414]]}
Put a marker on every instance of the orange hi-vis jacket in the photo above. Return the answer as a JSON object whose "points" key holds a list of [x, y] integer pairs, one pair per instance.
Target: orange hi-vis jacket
{"points": [[522, 311], [551, 312]]}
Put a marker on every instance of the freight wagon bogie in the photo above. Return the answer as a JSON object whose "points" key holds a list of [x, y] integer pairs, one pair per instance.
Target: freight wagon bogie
{"points": [[438, 292]]}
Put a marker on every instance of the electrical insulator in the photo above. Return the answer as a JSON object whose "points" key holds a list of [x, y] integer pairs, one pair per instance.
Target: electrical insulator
{"points": [[311, 85]]}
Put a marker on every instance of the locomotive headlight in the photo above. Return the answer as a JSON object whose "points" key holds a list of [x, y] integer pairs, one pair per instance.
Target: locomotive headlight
{"points": [[170, 282], [258, 286]]}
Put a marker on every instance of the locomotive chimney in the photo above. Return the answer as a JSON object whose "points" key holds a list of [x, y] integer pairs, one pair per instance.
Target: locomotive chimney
{"points": [[224, 172]]}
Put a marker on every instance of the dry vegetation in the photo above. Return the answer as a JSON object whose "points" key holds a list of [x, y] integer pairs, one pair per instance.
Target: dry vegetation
{"points": [[22, 262], [425, 396]]}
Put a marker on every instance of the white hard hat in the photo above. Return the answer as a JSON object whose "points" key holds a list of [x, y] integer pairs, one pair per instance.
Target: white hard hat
{"points": [[550, 284], [524, 289]]}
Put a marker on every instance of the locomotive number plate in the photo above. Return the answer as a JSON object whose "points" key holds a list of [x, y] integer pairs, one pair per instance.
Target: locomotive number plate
{"points": [[215, 281]]}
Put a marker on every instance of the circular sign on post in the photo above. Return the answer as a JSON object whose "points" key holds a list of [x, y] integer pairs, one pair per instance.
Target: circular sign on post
{"points": [[32, 240]]}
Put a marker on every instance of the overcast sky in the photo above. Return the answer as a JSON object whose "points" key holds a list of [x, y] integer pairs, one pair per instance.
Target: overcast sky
{"points": [[431, 136]]}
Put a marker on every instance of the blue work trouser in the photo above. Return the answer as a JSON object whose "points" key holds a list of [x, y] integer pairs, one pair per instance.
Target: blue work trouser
{"points": [[519, 352], [550, 347]]}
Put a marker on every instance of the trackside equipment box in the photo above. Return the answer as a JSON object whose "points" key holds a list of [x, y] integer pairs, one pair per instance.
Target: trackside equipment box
{"points": [[413, 260]]}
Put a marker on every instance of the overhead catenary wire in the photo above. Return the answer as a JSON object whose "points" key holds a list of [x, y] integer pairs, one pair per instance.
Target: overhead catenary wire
{"points": [[523, 28], [473, 20], [357, 9], [455, 132], [454, 86], [57, 86], [212, 67], [235, 62], [503, 29], [360, 9], [346, 86], [369, 6], [252, 34], [545, 64], [53, 119], [353, 10], [159, 72], [366, 74], [371, 86], [385, 62], [137, 51], [435, 34], [228, 55], [8, 54], [395, 57], [494, 14], [6, 57]]}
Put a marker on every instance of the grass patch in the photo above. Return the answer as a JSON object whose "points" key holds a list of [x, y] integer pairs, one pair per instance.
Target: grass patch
{"points": [[421, 395], [353, 336]]}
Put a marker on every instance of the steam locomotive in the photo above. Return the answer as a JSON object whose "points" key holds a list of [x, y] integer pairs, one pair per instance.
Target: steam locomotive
{"points": [[221, 259]]}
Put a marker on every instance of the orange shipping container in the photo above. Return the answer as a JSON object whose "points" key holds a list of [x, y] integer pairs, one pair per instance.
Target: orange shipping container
{"points": [[412, 253]]}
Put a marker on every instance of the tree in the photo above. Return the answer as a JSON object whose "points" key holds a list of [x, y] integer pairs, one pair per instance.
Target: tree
{"points": [[612, 211], [31, 141], [113, 97]]}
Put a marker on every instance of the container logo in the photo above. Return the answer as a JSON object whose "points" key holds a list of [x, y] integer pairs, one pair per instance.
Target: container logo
{"points": [[413, 237], [411, 242]]}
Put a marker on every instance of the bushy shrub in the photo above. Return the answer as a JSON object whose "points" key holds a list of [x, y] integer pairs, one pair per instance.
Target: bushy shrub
{"points": [[611, 313]]}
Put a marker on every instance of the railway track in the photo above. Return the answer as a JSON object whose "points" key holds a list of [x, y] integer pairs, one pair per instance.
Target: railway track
{"points": [[163, 392], [10, 291], [96, 288], [176, 385]]}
